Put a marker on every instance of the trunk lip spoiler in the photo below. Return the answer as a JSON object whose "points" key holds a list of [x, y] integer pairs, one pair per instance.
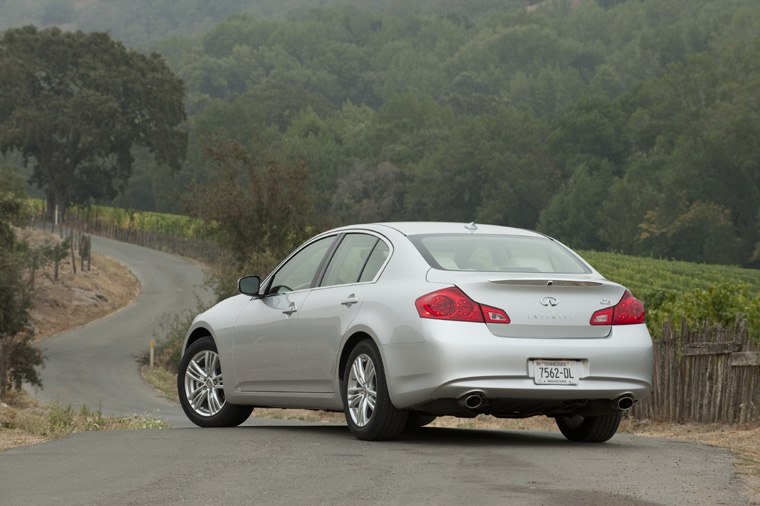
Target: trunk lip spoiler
{"points": [[544, 282]]}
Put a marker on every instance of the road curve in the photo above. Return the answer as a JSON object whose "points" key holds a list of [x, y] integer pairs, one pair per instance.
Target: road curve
{"points": [[271, 462], [98, 364]]}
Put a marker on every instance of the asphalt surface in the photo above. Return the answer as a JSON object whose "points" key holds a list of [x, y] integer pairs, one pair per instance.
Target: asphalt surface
{"points": [[98, 364], [282, 463], [323, 464]]}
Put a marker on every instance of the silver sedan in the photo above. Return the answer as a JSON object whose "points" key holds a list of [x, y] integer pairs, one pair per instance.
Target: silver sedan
{"points": [[396, 324]]}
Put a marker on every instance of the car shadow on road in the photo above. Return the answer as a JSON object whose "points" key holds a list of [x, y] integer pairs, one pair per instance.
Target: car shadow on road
{"points": [[440, 436]]}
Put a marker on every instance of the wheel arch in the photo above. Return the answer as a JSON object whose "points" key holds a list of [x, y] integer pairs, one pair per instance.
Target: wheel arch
{"points": [[196, 334], [349, 345]]}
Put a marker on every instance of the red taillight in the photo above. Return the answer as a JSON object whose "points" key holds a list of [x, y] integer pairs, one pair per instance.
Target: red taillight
{"points": [[452, 304], [628, 311]]}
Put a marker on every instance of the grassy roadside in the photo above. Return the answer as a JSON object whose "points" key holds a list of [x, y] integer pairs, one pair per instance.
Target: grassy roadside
{"points": [[25, 421]]}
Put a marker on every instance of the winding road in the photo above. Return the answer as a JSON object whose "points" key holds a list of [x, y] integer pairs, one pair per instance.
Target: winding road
{"points": [[291, 463], [97, 364]]}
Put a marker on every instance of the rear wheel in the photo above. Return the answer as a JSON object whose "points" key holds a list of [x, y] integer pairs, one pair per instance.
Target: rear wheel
{"points": [[201, 389], [589, 429], [367, 405]]}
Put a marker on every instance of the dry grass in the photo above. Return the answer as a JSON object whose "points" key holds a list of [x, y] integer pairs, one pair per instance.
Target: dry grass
{"points": [[77, 299], [25, 421]]}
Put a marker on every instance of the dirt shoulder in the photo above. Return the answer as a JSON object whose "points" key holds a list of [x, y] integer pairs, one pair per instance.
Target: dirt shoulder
{"points": [[79, 296], [77, 299]]}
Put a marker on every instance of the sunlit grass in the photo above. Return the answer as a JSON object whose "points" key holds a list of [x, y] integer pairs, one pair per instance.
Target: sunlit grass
{"points": [[28, 421]]}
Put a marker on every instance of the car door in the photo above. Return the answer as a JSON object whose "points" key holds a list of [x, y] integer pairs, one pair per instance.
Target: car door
{"points": [[264, 339], [330, 308]]}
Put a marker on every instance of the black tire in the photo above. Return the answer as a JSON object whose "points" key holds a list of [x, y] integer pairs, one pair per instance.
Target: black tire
{"points": [[417, 419], [200, 388], [369, 412], [589, 429]]}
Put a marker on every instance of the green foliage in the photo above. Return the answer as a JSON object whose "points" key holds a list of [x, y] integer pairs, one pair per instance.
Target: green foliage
{"points": [[171, 336], [719, 304], [701, 293], [19, 357], [261, 207], [74, 104], [174, 225], [621, 126]]}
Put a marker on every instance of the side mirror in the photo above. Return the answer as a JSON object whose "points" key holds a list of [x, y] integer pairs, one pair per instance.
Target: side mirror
{"points": [[249, 285]]}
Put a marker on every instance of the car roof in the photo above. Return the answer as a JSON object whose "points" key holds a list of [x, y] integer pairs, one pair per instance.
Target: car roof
{"points": [[428, 227]]}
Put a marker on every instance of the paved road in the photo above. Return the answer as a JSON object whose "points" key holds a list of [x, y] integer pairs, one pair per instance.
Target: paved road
{"points": [[323, 464], [98, 363], [282, 463]]}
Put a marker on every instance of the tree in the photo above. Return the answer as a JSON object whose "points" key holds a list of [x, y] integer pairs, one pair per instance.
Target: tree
{"points": [[367, 193], [18, 356], [74, 104], [261, 208], [574, 215]]}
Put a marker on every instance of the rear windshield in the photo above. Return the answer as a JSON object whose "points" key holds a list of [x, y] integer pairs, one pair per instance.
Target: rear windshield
{"points": [[497, 253]]}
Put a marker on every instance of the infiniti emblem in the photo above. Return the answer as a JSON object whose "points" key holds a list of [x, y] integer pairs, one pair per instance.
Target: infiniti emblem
{"points": [[549, 301]]}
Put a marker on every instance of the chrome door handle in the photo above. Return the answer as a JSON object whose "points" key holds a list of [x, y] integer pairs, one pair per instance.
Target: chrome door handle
{"points": [[292, 309], [350, 301]]}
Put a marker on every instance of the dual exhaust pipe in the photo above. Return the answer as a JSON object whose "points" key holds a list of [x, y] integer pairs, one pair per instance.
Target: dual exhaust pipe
{"points": [[474, 400]]}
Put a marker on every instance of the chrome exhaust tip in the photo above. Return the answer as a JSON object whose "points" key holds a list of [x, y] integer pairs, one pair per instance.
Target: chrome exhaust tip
{"points": [[472, 400], [623, 403]]}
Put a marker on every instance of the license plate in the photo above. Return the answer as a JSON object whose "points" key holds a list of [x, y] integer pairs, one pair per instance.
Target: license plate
{"points": [[556, 372]]}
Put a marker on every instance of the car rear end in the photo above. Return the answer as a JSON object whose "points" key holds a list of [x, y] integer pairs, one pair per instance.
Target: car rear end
{"points": [[515, 325]]}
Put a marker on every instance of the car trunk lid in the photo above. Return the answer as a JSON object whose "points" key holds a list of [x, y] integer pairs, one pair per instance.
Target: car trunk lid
{"points": [[539, 306]]}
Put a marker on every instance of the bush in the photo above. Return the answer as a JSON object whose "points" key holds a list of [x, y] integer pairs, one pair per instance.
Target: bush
{"points": [[721, 304], [171, 337]]}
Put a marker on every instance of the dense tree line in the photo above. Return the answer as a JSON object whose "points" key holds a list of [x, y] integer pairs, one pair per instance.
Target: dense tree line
{"points": [[143, 22], [614, 125], [623, 126]]}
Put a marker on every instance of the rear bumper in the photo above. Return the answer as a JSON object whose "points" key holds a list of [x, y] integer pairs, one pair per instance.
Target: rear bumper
{"points": [[456, 360]]}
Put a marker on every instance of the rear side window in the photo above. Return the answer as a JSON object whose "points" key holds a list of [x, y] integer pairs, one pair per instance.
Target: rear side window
{"points": [[358, 258], [497, 253], [375, 262]]}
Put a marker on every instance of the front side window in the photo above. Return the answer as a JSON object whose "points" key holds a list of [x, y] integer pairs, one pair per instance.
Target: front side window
{"points": [[497, 253], [300, 271]]}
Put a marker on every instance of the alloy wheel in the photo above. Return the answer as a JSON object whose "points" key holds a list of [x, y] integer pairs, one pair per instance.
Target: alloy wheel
{"points": [[203, 383], [361, 390]]}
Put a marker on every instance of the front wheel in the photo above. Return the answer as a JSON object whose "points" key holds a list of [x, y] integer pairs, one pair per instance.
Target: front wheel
{"points": [[589, 429], [367, 405], [201, 389]]}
